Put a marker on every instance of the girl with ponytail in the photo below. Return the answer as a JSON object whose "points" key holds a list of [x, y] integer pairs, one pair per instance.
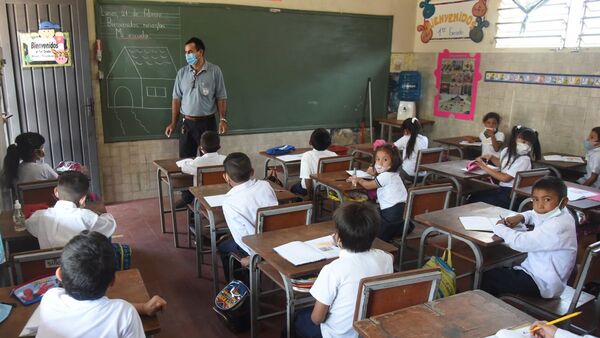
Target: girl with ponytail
{"points": [[22, 161], [410, 144]]}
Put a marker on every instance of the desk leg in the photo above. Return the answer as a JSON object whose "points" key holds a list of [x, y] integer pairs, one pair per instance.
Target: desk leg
{"points": [[266, 167], [173, 212], [289, 305], [254, 297], [286, 175], [161, 204], [213, 251], [458, 190], [199, 241], [389, 138]]}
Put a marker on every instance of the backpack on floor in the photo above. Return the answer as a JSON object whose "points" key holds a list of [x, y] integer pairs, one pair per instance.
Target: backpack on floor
{"points": [[233, 306], [123, 254]]}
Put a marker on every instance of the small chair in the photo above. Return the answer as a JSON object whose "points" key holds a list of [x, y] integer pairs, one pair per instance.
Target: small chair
{"points": [[420, 200], [526, 179], [386, 293], [427, 156], [29, 265], [335, 163], [37, 192], [572, 298]]}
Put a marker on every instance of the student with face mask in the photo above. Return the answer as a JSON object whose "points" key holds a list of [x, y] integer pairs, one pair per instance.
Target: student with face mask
{"points": [[592, 149], [551, 246], [523, 148]]}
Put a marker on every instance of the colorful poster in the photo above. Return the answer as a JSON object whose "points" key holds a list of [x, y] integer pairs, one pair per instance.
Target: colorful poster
{"points": [[45, 48], [546, 79], [459, 19]]}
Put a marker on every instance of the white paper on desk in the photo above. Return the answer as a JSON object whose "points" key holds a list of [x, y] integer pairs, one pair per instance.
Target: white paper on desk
{"points": [[326, 246], [299, 253], [467, 143], [289, 158], [360, 174], [478, 223], [560, 158], [552, 157], [216, 200], [31, 327], [575, 194], [521, 332]]}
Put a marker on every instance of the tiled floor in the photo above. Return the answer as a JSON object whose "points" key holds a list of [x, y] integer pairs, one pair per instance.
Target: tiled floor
{"points": [[171, 273]]}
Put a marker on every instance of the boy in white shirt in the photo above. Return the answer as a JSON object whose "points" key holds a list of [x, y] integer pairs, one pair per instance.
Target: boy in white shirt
{"points": [[336, 286], [80, 308], [551, 246], [210, 143], [320, 140], [239, 207], [54, 227]]}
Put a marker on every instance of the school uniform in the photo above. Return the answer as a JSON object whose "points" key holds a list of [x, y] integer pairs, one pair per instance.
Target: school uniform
{"points": [[239, 208], [593, 166], [309, 166], [54, 227], [35, 171], [409, 163], [487, 147], [551, 253], [190, 166], [391, 195], [560, 333], [501, 197], [337, 287], [64, 316]]}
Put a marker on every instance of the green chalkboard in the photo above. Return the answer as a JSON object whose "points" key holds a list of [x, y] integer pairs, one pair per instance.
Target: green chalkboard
{"points": [[283, 69]]}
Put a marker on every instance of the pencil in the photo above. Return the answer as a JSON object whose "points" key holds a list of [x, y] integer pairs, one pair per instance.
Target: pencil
{"points": [[558, 320]]}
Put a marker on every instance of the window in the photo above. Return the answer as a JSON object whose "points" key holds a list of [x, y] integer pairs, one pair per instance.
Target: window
{"points": [[156, 92], [590, 24]]}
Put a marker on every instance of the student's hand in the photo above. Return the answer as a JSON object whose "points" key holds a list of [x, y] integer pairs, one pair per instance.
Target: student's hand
{"points": [[545, 331], [371, 171], [485, 157], [481, 162], [512, 220], [471, 139], [169, 129], [223, 127], [154, 305], [245, 261], [352, 179]]}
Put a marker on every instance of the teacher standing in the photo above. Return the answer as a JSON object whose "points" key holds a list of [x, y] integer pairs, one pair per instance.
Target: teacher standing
{"points": [[198, 94]]}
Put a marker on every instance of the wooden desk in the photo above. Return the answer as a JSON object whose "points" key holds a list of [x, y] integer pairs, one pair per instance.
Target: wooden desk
{"points": [[471, 151], [215, 213], [129, 286], [469, 314], [336, 181], [168, 172], [394, 123], [447, 222], [284, 165], [562, 165], [263, 244], [582, 205]]}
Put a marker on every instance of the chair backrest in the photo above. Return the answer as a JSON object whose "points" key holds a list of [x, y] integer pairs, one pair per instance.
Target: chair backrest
{"points": [[209, 175], [334, 163], [429, 155], [553, 170], [29, 265], [427, 198], [529, 177], [386, 293], [37, 192], [590, 257], [283, 216]]}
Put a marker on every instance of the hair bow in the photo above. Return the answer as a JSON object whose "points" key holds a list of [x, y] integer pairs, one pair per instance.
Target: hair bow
{"points": [[378, 143]]}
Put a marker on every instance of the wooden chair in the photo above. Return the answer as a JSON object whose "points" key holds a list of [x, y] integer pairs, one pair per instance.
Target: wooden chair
{"points": [[572, 299], [420, 200], [29, 265], [427, 156], [526, 179], [37, 192], [386, 293], [335, 163]]}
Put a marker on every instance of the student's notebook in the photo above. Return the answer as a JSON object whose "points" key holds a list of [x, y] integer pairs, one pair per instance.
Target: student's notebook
{"points": [[575, 194], [519, 332], [360, 174], [560, 158], [215, 200], [467, 143], [299, 253], [31, 327], [290, 157], [479, 223]]}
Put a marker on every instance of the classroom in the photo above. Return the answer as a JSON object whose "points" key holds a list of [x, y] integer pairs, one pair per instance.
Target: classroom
{"points": [[300, 168]]}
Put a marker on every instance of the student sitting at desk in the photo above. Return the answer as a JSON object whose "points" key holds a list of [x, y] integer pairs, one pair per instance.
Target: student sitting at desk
{"points": [[592, 170], [23, 161], [54, 227], [239, 206], [491, 138], [336, 286], [410, 144], [80, 308], [551, 331], [551, 247], [391, 192], [209, 145], [320, 140], [523, 147]]}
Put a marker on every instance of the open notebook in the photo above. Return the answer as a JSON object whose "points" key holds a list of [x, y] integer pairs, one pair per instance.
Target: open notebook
{"points": [[486, 224], [360, 174], [518, 332], [299, 253]]}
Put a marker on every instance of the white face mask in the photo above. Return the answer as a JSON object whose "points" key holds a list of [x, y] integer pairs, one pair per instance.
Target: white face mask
{"points": [[523, 148], [380, 169], [550, 214]]}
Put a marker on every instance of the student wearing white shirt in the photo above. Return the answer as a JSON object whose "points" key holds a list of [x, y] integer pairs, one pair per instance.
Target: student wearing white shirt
{"points": [[551, 331], [523, 148], [592, 149], [210, 143], [239, 206], [391, 192], [336, 286], [22, 162], [80, 308], [551, 246], [320, 140], [410, 144], [491, 138], [54, 227]]}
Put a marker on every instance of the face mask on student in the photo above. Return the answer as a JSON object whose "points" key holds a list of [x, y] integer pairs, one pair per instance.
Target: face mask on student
{"points": [[523, 148], [380, 169], [587, 145], [191, 59], [550, 214]]}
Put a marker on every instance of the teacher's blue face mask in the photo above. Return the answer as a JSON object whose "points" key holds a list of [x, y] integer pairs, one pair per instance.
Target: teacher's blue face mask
{"points": [[191, 59]]}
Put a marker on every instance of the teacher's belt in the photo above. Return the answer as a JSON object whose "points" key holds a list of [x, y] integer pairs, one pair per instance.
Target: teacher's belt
{"points": [[198, 118]]}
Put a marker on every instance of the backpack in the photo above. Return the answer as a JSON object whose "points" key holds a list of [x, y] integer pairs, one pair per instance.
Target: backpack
{"points": [[281, 150], [233, 306], [123, 254]]}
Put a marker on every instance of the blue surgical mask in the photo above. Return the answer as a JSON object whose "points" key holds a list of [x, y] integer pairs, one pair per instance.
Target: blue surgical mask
{"points": [[191, 59], [587, 145]]}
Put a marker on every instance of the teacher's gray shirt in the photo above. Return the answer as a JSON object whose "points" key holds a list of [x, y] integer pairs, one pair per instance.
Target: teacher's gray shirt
{"points": [[199, 92]]}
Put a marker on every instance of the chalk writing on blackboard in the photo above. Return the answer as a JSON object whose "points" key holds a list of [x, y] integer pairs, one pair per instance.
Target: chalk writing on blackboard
{"points": [[127, 23]]}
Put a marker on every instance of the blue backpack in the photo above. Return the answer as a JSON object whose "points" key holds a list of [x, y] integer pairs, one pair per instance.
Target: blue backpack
{"points": [[281, 150]]}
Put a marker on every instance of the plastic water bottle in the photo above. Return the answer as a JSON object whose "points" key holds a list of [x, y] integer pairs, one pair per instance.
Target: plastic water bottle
{"points": [[18, 217]]}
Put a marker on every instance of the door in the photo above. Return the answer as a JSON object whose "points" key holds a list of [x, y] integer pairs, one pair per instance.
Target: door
{"points": [[53, 101]]}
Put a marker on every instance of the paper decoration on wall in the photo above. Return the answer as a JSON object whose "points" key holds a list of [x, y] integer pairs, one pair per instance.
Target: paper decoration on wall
{"points": [[457, 75], [545, 79], [457, 19], [45, 48]]}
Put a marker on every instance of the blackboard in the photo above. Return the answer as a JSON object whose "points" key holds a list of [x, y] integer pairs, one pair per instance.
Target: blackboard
{"points": [[284, 69]]}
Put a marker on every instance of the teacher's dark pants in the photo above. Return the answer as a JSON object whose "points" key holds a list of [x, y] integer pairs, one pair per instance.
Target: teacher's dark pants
{"points": [[189, 140]]}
